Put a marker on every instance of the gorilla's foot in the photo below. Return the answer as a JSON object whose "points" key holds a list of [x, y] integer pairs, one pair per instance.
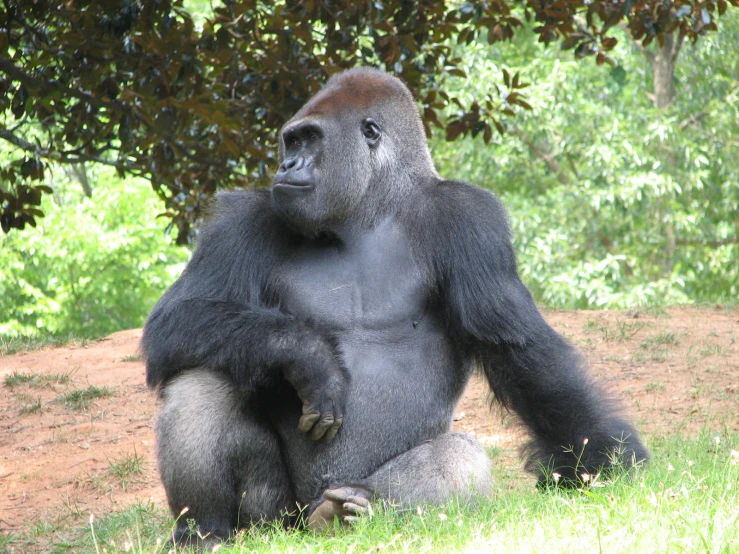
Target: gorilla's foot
{"points": [[346, 503]]}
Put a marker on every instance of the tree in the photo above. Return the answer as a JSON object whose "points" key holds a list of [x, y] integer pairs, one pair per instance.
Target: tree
{"points": [[135, 85], [95, 265], [620, 203]]}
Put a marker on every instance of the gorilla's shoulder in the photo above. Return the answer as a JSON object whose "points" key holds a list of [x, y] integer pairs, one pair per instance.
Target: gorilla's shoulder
{"points": [[458, 226], [239, 212], [238, 205], [238, 222], [447, 201]]}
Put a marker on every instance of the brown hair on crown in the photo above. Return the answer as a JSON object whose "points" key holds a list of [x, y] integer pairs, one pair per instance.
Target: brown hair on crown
{"points": [[361, 87]]}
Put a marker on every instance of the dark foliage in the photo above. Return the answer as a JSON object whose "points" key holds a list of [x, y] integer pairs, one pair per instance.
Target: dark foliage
{"points": [[136, 85]]}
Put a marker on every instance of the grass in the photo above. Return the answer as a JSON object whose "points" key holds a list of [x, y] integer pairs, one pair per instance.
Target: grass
{"points": [[710, 350], [126, 469], [685, 500], [29, 405], [97, 483], [706, 351], [81, 399], [16, 379], [12, 344], [619, 331], [656, 348], [36, 380], [132, 358], [661, 339], [654, 386]]}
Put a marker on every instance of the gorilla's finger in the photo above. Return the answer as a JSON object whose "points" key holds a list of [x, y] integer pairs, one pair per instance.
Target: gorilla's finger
{"points": [[320, 428], [343, 494], [331, 433], [356, 507], [307, 421], [335, 495], [354, 510], [359, 501]]}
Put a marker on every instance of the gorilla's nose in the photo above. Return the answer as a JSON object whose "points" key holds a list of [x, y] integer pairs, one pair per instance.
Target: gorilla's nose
{"points": [[294, 164]]}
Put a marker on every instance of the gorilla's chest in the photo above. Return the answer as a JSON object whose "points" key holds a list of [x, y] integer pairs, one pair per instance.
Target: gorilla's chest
{"points": [[368, 281]]}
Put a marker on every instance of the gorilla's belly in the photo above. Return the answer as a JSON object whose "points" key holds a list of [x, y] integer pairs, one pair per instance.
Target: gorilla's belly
{"points": [[369, 294], [401, 393]]}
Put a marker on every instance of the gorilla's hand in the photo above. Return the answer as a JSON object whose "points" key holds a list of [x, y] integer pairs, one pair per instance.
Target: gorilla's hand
{"points": [[323, 392], [323, 412]]}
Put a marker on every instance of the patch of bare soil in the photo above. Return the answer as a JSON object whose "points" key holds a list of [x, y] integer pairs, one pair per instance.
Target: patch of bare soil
{"points": [[68, 448]]}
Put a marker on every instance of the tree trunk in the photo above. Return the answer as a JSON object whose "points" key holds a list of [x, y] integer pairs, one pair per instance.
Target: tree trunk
{"points": [[78, 172], [663, 65], [663, 68]]}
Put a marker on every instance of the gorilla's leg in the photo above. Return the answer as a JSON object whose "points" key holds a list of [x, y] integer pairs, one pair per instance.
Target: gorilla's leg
{"points": [[453, 465], [219, 458]]}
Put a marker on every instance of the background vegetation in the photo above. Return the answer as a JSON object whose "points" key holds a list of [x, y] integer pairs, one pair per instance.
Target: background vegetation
{"points": [[93, 265], [622, 191], [615, 202], [620, 172]]}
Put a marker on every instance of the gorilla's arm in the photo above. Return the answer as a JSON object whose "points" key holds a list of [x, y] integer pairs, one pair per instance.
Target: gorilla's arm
{"points": [[531, 369], [215, 316]]}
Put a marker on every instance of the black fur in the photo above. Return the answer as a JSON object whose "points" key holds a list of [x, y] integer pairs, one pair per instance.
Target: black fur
{"points": [[324, 331], [532, 370]]}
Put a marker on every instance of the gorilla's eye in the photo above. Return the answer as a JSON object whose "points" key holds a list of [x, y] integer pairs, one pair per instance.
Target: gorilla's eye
{"points": [[313, 137], [371, 130], [293, 141]]}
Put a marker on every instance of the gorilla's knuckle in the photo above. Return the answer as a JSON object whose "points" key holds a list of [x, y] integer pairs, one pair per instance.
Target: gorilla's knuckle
{"points": [[327, 420]]}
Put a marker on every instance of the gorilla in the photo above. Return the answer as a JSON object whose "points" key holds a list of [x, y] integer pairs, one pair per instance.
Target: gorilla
{"points": [[311, 354]]}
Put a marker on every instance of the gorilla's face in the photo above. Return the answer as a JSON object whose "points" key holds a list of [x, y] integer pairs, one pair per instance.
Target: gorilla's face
{"points": [[350, 154], [326, 169]]}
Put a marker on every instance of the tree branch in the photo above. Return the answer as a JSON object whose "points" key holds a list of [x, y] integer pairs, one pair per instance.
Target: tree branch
{"points": [[696, 117], [692, 118], [648, 54], [61, 157], [573, 165], [46, 87], [547, 157], [678, 44], [79, 173], [17, 141]]}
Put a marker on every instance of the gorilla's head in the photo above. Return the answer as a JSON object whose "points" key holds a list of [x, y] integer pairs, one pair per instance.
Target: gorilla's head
{"points": [[350, 154]]}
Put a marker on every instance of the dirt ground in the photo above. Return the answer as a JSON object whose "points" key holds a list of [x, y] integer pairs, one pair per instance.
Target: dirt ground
{"points": [[677, 372]]}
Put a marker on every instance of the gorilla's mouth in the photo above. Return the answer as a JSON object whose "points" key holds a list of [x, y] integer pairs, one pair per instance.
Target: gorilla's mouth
{"points": [[294, 186]]}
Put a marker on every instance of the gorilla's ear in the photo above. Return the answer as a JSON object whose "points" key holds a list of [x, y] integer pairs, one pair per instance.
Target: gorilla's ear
{"points": [[371, 131]]}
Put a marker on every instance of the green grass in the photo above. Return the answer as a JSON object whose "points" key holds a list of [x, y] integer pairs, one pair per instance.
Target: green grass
{"points": [[37, 380], [654, 386], [685, 500], [619, 331], [81, 399], [12, 344], [127, 469], [132, 358], [29, 405], [16, 379], [661, 339]]}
